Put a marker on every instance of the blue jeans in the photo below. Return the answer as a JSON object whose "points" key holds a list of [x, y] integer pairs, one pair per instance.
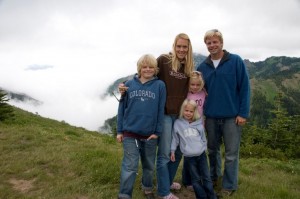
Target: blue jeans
{"points": [[230, 132], [133, 150], [173, 166], [165, 173], [186, 177], [201, 181]]}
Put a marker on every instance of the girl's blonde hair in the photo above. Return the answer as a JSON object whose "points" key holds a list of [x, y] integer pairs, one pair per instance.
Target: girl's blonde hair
{"points": [[189, 60], [196, 75], [196, 115], [149, 60]]}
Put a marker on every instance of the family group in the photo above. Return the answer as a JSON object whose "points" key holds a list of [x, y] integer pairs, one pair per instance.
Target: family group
{"points": [[173, 109]]}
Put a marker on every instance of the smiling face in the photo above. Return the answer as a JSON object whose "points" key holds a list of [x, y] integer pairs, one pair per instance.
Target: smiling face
{"points": [[195, 85], [188, 112], [181, 48], [147, 67], [147, 72], [214, 46]]}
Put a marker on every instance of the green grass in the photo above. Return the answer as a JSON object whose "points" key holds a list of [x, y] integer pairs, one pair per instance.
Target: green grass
{"points": [[269, 178], [56, 159], [44, 158]]}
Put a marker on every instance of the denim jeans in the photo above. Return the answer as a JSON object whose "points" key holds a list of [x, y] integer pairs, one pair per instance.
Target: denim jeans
{"points": [[186, 177], [164, 172], [173, 166], [133, 150], [201, 181], [230, 132]]}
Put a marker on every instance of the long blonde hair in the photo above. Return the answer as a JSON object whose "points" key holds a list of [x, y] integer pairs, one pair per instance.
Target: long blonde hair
{"points": [[189, 60]]}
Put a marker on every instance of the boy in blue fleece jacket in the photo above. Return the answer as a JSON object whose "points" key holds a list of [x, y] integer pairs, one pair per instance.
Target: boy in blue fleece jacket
{"points": [[140, 116]]}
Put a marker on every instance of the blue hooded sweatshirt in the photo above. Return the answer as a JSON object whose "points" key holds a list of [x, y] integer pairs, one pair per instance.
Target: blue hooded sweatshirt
{"points": [[228, 87], [141, 109]]}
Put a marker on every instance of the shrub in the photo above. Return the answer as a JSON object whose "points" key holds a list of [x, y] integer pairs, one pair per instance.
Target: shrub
{"points": [[261, 151]]}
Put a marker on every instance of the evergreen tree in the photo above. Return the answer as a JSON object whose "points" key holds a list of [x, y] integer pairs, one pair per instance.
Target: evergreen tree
{"points": [[279, 131], [260, 109], [6, 110], [253, 135], [295, 141]]}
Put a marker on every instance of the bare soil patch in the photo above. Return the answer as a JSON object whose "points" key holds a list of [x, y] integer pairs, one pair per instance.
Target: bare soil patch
{"points": [[22, 185]]}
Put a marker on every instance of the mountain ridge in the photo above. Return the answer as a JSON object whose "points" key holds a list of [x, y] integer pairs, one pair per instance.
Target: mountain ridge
{"points": [[276, 74], [268, 68]]}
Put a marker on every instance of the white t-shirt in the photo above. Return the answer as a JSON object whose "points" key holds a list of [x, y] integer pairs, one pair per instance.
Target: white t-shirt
{"points": [[216, 62]]}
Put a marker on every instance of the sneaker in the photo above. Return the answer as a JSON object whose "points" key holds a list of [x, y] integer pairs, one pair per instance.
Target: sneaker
{"points": [[175, 186], [225, 193], [170, 196], [149, 195]]}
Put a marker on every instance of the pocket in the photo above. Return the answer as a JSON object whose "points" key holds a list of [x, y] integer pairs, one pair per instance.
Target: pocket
{"points": [[142, 122], [195, 147]]}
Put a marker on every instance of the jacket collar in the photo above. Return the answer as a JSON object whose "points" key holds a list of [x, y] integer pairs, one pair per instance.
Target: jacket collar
{"points": [[224, 58]]}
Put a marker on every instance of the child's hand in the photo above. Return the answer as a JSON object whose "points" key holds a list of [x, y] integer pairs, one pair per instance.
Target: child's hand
{"points": [[120, 138], [153, 136], [122, 88], [172, 157]]}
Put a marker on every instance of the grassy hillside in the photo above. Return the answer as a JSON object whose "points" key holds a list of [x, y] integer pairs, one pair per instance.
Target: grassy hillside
{"points": [[44, 158]]}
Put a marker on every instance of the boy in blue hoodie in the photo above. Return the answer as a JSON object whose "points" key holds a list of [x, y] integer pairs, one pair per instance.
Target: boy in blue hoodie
{"points": [[140, 116]]}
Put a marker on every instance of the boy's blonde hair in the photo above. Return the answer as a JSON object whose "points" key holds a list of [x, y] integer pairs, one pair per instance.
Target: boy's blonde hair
{"points": [[196, 115], [149, 60], [213, 33], [198, 76], [189, 60]]}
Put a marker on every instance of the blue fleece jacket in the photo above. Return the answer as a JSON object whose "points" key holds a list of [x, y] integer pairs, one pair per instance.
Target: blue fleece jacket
{"points": [[141, 109], [227, 86]]}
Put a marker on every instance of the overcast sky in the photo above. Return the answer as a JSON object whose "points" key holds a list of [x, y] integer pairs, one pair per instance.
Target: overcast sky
{"points": [[66, 52]]}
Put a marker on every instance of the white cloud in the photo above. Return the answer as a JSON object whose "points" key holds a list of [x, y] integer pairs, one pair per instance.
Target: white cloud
{"points": [[88, 44], [38, 67]]}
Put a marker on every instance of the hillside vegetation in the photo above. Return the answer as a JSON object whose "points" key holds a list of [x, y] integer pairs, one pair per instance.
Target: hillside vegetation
{"points": [[277, 75], [44, 158]]}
